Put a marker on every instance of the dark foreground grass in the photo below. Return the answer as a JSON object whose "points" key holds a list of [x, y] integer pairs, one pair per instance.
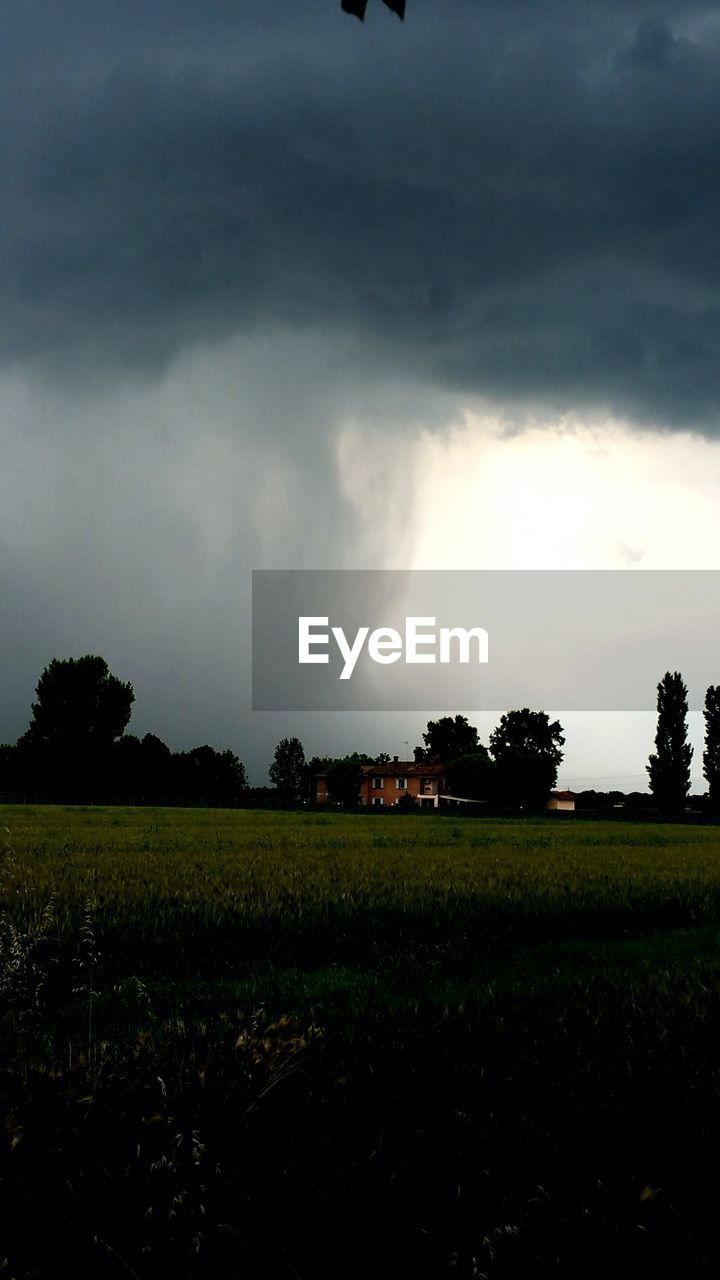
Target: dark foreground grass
{"points": [[277, 1045]]}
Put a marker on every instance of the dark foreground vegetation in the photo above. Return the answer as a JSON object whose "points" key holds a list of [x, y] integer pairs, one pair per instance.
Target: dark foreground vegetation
{"points": [[282, 1045]]}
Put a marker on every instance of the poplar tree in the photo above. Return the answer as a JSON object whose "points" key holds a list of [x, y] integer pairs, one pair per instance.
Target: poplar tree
{"points": [[669, 765], [711, 754]]}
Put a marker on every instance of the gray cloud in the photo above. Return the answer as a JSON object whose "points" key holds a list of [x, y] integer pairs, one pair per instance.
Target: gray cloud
{"points": [[514, 199]]}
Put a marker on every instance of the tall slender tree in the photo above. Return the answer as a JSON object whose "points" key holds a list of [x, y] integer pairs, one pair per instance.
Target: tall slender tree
{"points": [[669, 764], [711, 754]]}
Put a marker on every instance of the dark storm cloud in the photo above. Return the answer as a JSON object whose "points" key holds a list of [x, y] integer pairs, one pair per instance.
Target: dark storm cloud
{"points": [[514, 199]]}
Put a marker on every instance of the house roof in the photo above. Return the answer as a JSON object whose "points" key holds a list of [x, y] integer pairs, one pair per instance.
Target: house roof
{"points": [[404, 769], [399, 769], [562, 795]]}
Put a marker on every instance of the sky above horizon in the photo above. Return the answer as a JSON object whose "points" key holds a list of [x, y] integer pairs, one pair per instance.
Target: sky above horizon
{"points": [[284, 290]]}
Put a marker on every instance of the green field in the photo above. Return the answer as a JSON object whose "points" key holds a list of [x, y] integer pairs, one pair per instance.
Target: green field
{"points": [[240, 1043]]}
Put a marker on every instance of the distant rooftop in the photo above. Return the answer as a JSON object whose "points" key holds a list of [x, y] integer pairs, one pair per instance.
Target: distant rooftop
{"points": [[404, 769], [400, 769]]}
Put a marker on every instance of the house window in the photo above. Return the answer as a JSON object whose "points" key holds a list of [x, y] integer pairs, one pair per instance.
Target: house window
{"points": [[401, 784], [377, 784], [377, 800]]}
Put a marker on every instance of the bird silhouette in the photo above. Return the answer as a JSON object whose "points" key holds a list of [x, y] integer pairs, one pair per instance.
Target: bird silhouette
{"points": [[358, 7]]}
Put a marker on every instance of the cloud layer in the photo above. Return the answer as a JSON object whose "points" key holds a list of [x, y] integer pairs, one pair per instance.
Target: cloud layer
{"points": [[516, 200]]}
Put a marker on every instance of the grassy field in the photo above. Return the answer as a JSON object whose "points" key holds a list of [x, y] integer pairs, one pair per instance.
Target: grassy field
{"points": [[239, 1043]]}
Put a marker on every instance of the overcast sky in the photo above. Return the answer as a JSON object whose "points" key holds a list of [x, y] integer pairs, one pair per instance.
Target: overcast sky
{"points": [[281, 289]]}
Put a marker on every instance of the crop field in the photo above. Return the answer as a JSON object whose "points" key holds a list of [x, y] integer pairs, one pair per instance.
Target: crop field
{"points": [[303, 1045]]}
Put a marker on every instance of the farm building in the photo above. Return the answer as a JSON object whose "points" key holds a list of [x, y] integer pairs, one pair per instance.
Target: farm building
{"points": [[385, 785], [562, 801]]}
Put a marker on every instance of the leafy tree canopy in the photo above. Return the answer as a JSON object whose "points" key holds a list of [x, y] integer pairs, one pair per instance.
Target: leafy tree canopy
{"points": [[527, 749], [287, 771], [79, 704], [343, 780], [448, 739], [472, 776], [318, 764], [208, 776]]}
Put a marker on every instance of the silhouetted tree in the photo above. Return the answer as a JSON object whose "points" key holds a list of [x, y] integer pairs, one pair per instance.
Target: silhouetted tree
{"points": [[75, 749], [126, 768], [448, 739], [156, 768], [141, 771], [639, 800], [319, 764], [526, 747], [79, 704], [711, 754], [473, 776], [287, 771], [343, 780], [80, 713], [669, 765], [205, 776]]}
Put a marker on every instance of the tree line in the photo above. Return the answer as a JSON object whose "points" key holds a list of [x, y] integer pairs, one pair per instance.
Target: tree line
{"points": [[517, 769], [75, 748]]}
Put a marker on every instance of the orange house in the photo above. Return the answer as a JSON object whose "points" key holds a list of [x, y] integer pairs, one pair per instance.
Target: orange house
{"points": [[388, 784], [385, 785]]}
